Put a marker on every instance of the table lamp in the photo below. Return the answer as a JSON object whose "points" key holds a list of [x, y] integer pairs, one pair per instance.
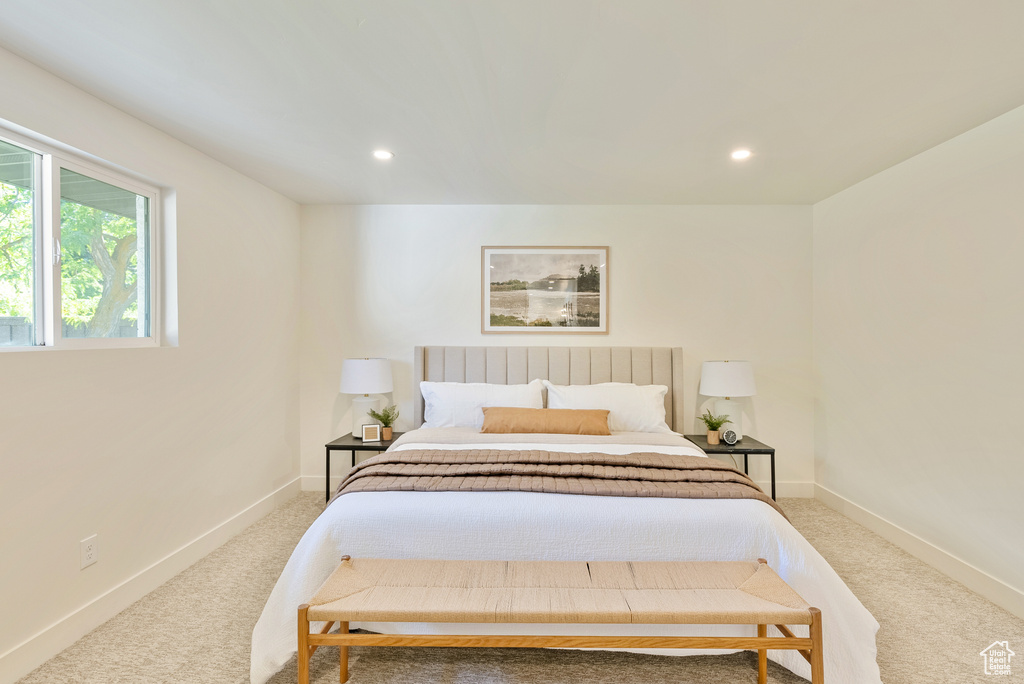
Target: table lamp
{"points": [[365, 377], [728, 379]]}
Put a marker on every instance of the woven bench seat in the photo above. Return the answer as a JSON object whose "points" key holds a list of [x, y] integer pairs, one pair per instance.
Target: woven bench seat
{"points": [[437, 591]]}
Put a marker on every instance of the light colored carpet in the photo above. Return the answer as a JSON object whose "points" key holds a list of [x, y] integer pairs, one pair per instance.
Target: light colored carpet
{"points": [[932, 628]]}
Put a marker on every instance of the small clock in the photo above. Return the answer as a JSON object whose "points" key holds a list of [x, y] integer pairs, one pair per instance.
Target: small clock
{"points": [[729, 437]]}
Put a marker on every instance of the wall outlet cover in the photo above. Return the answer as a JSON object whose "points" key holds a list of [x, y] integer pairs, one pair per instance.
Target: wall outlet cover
{"points": [[89, 549]]}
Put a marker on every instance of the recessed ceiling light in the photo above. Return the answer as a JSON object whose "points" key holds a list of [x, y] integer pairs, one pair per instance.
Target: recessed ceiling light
{"points": [[383, 155], [740, 155]]}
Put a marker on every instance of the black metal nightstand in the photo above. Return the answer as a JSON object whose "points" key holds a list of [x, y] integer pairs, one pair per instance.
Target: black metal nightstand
{"points": [[746, 446], [354, 444]]}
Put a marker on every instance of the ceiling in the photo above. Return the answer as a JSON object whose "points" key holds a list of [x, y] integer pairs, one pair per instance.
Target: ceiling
{"points": [[541, 101]]}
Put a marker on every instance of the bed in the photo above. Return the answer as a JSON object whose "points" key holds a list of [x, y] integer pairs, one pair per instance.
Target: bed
{"points": [[537, 525]]}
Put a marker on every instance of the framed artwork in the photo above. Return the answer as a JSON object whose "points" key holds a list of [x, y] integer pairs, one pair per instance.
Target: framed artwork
{"points": [[371, 433], [544, 290]]}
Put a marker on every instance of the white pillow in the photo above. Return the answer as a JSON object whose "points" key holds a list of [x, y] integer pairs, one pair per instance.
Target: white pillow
{"points": [[633, 408], [460, 404]]}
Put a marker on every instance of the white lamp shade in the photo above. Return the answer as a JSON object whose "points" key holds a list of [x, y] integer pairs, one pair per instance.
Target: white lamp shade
{"points": [[727, 379], [366, 376]]}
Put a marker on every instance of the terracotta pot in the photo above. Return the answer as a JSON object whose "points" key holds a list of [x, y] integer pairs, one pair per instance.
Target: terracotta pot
{"points": [[385, 434], [713, 436]]}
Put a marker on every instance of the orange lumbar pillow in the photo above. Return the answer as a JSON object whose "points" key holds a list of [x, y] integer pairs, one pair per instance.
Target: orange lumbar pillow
{"points": [[505, 419]]}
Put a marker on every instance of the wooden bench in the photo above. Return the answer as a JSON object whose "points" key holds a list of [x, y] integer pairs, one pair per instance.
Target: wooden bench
{"points": [[732, 593]]}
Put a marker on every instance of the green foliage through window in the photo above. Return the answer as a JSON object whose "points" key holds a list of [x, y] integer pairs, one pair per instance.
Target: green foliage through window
{"points": [[99, 227], [99, 271], [16, 245]]}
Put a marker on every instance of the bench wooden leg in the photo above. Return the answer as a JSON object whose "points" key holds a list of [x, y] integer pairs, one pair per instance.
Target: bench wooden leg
{"points": [[303, 654], [817, 651], [762, 657], [343, 654]]}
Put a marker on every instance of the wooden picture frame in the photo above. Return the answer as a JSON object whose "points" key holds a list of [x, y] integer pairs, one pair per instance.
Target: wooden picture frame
{"points": [[553, 290], [371, 433]]}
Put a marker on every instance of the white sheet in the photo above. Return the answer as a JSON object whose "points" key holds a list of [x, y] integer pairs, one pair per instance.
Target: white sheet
{"points": [[528, 525]]}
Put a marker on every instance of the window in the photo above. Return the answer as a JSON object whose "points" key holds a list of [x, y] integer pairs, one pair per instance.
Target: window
{"points": [[76, 252]]}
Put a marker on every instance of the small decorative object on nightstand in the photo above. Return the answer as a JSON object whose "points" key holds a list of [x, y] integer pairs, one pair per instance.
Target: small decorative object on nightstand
{"points": [[714, 424], [386, 417], [728, 379], [747, 447]]}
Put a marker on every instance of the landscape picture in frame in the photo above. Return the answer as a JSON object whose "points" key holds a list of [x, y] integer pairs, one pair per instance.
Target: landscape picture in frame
{"points": [[545, 290]]}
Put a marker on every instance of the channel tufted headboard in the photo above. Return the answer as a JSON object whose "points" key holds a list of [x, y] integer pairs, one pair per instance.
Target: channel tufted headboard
{"points": [[560, 365]]}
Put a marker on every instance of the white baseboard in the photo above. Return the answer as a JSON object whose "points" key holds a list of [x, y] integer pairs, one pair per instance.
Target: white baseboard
{"points": [[979, 581], [788, 490], [311, 483], [37, 649], [317, 483]]}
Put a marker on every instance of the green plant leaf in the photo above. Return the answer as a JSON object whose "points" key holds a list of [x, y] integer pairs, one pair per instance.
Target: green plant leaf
{"points": [[386, 417], [714, 422]]}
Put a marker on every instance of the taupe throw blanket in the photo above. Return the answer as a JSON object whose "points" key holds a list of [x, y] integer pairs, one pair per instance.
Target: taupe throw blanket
{"points": [[554, 472]]}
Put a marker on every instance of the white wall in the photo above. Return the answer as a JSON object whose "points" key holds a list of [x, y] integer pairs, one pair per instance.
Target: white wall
{"points": [[721, 282], [918, 322], [149, 448]]}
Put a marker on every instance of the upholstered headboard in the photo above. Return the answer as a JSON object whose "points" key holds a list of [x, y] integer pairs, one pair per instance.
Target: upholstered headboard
{"points": [[560, 365]]}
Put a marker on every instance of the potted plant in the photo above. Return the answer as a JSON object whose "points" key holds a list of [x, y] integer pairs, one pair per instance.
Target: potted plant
{"points": [[714, 424], [386, 417]]}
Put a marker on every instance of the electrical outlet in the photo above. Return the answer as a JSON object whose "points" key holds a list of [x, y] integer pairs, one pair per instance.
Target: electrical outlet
{"points": [[90, 550]]}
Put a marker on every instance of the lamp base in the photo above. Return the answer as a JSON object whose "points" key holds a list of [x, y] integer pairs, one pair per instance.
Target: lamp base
{"points": [[361, 407], [732, 409]]}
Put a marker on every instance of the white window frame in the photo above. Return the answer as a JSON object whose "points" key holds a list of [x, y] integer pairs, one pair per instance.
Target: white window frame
{"points": [[48, 327]]}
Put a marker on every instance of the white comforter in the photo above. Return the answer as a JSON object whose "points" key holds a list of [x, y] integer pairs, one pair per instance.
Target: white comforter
{"points": [[527, 525]]}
